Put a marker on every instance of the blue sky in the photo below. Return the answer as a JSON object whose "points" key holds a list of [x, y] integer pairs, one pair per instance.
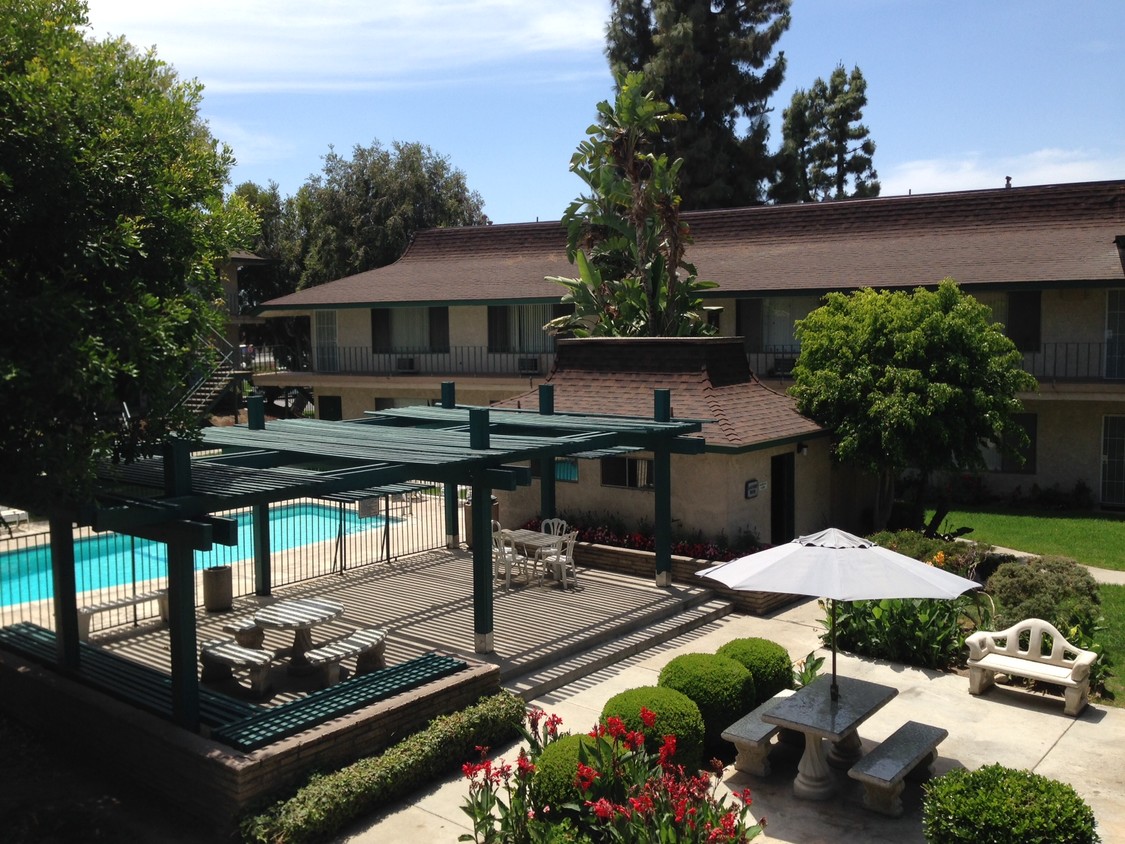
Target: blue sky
{"points": [[961, 93]]}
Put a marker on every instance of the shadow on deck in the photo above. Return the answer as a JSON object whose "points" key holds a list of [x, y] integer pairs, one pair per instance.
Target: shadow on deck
{"points": [[544, 637]]}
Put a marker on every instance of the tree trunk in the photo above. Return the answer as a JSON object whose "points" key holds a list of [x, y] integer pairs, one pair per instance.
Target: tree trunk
{"points": [[884, 498]]}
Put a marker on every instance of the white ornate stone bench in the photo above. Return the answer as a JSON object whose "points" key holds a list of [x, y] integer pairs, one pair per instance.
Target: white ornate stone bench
{"points": [[1002, 652], [908, 751], [751, 737], [86, 614], [368, 646], [220, 656]]}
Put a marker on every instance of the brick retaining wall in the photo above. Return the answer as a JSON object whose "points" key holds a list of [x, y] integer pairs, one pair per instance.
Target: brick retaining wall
{"points": [[213, 781], [643, 564]]}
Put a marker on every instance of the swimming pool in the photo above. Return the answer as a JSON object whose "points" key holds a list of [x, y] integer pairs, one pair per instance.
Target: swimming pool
{"points": [[112, 559]]}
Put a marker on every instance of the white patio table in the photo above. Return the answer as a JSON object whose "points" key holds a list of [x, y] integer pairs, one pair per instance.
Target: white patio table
{"points": [[300, 616]]}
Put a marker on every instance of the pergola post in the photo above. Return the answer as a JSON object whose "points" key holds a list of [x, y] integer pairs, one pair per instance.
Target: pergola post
{"points": [[66, 590], [181, 596], [483, 621], [263, 578], [662, 491], [547, 464]]}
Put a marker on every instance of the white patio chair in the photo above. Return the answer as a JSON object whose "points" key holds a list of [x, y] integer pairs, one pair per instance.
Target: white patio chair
{"points": [[505, 557], [561, 560], [555, 526]]}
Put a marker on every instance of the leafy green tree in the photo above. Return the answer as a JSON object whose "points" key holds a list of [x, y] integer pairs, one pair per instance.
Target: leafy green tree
{"points": [[360, 213], [920, 380], [826, 149], [112, 225], [626, 234], [711, 61]]}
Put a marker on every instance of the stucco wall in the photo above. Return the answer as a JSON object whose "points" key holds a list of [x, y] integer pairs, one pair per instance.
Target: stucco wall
{"points": [[708, 494], [1069, 448], [1075, 316]]}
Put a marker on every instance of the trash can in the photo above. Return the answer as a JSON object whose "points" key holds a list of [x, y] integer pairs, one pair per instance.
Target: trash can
{"points": [[469, 518], [218, 591]]}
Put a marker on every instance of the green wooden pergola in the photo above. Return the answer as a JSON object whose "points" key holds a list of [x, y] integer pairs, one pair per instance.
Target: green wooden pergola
{"points": [[171, 499]]}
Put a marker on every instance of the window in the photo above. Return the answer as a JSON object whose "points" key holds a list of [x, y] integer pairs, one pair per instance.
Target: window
{"points": [[499, 338], [519, 328], [631, 472], [331, 408], [998, 462], [768, 324], [1024, 310], [439, 329], [566, 469], [380, 330], [326, 352], [1020, 314]]}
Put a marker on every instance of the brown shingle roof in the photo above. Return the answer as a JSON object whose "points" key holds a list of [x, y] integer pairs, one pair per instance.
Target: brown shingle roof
{"points": [[1049, 234], [708, 377]]}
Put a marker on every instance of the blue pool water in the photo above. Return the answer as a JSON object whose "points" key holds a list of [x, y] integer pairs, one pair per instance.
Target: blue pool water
{"points": [[111, 559]]}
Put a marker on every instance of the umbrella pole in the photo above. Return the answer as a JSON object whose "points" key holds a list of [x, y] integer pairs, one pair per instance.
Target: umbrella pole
{"points": [[835, 688]]}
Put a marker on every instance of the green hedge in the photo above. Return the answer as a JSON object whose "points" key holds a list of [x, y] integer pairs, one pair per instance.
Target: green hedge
{"points": [[768, 661], [676, 714], [556, 770], [998, 805], [722, 689], [329, 802]]}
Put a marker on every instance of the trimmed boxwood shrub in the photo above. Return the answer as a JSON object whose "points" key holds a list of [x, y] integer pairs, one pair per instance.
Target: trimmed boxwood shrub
{"points": [[1054, 589], [998, 805], [722, 689], [676, 714], [768, 661], [330, 802], [556, 771]]}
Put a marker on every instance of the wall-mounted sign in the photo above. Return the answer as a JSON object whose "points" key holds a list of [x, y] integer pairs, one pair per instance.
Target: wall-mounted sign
{"points": [[369, 508], [752, 488]]}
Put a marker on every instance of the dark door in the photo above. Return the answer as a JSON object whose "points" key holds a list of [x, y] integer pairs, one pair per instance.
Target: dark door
{"points": [[782, 499]]}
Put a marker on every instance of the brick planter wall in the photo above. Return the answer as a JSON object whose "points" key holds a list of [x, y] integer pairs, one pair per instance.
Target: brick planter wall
{"points": [[643, 564]]}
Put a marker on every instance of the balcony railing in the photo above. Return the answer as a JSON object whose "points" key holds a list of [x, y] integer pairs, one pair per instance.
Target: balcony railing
{"points": [[1053, 362], [362, 360], [1077, 361]]}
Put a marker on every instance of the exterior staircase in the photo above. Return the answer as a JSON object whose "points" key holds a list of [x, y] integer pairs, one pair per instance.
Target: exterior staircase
{"points": [[214, 381], [206, 392]]}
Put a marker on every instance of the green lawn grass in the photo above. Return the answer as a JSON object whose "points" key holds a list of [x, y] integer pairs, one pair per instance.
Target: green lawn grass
{"points": [[1113, 637], [1095, 539]]}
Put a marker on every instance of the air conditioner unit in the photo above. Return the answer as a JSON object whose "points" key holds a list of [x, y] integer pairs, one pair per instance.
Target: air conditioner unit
{"points": [[529, 366], [404, 364]]}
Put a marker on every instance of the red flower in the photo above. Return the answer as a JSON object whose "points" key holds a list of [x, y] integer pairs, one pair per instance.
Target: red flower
{"points": [[585, 777], [604, 809], [667, 751], [615, 726], [648, 718]]}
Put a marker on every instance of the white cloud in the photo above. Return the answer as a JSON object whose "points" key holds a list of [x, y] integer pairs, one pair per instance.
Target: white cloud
{"points": [[975, 171], [254, 45]]}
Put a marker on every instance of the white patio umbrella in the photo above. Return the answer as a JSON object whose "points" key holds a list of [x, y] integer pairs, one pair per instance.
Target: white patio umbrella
{"points": [[841, 566]]}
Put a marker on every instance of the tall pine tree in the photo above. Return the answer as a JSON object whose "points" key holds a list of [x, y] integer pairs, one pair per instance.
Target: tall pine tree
{"points": [[713, 62], [827, 152]]}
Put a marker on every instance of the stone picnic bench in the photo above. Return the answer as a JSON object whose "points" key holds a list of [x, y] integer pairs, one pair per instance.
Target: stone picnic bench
{"points": [[87, 613], [286, 719], [751, 737], [908, 751], [1004, 652], [220, 656]]}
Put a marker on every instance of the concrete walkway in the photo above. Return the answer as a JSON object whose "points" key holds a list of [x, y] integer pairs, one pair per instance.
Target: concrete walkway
{"points": [[1014, 728]]}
